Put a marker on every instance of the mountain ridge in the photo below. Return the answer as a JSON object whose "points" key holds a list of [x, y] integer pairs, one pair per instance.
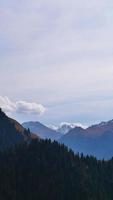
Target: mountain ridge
{"points": [[42, 130], [11, 132], [65, 127], [96, 140]]}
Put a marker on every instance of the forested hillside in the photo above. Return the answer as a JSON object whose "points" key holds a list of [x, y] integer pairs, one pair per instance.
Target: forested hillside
{"points": [[48, 171]]}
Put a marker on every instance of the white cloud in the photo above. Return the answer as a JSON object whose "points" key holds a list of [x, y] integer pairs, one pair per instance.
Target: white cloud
{"points": [[21, 107]]}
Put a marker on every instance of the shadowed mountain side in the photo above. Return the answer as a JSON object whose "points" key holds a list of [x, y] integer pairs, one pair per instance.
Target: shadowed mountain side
{"points": [[11, 132]]}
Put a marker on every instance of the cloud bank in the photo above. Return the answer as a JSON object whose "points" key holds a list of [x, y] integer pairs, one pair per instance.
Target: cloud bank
{"points": [[21, 107]]}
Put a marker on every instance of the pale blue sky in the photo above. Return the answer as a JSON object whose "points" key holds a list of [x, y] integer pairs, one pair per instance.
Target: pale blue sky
{"points": [[58, 54]]}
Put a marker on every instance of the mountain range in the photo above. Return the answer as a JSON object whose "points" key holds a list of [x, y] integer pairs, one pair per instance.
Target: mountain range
{"points": [[96, 140], [43, 131], [65, 127], [33, 168]]}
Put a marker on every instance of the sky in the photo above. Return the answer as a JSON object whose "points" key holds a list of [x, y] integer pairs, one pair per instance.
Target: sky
{"points": [[56, 60]]}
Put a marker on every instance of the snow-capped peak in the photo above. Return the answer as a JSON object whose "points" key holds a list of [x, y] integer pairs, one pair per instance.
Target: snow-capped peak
{"points": [[65, 127]]}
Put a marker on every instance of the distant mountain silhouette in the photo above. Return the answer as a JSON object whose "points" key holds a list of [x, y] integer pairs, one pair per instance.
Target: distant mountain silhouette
{"points": [[43, 131], [11, 132], [96, 140]]}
